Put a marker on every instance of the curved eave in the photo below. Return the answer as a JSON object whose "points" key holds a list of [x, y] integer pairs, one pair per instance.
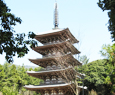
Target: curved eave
{"points": [[55, 86], [38, 74], [42, 62], [41, 49], [40, 87], [56, 32], [76, 41]]}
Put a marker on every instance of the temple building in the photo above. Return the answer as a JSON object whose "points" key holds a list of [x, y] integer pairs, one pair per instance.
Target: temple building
{"points": [[57, 60]]}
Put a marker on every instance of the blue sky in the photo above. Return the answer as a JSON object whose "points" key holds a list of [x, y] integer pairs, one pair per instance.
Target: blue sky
{"points": [[86, 21]]}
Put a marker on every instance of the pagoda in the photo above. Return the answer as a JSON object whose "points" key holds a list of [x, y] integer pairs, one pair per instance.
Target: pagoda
{"points": [[58, 62]]}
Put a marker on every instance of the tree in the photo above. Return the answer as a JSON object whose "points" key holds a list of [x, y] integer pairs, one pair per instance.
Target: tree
{"points": [[12, 81], [10, 42], [110, 6], [2, 74], [84, 59], [13, 78], [96, 73], [108, 51]]}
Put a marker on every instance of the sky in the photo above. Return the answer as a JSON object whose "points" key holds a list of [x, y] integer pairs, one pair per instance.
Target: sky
{"points": [[86, 21]]}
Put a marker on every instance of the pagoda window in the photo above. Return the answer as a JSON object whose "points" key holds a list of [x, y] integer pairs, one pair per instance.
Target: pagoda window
{"points": [[54, 67], [53, 79], [58, 41], [53, 92], [47, 80], [60, 92], [59, 67], [60, 79], [49, 68], [46, 93], [50, 42]]}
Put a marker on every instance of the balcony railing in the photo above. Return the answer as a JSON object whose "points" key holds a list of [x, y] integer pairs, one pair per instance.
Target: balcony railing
{"points": [[56, 42], [53, 55], [51, 68], [52, 82]]}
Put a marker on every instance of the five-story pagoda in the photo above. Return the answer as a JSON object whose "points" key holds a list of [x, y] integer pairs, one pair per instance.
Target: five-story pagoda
{"points": [[58, 62]]}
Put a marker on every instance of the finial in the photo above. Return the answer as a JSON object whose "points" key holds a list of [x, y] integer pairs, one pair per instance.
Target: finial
{"points": [[56, 16]]}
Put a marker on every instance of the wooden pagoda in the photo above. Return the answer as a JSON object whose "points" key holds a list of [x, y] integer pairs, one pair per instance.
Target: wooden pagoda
{"points": [[57, 52]]}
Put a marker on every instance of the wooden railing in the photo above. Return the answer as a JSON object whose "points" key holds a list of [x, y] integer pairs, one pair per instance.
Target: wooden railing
{"points": [[51, 68], [52, 82], [53, 42]]}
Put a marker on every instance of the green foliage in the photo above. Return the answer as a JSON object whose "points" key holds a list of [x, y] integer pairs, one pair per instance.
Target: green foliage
{"points": [[12, 80], [95, 76], [108, 51], [2, 75], [110, 6], [100, 74], [95, 72], [10, 42]]}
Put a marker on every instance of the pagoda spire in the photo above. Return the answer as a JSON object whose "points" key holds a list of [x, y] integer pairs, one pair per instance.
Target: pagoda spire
{"points": [[56, 16]]}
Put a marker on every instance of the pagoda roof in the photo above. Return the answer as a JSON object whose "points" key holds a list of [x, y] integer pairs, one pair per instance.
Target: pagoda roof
{"points": [[45, 60], [55, 32], [40, 87], [42, 49], [38, 74], [46, 87]]}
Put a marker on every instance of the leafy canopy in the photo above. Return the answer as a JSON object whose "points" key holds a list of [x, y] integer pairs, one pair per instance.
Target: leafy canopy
{"points": [[96, 73], [13, 78], [110, 6], [108, 52], [12, 43]]}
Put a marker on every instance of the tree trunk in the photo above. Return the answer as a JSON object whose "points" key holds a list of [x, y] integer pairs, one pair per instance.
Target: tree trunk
{"points": [[76, 84]]}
